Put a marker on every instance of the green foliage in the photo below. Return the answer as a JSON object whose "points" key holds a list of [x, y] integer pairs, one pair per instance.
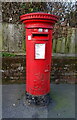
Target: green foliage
{"points": [[11, 11], [34, 6], [6, 54]]}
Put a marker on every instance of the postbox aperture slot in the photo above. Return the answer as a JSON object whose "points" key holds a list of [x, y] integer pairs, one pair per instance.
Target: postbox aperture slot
{"points": [[40, 36]]}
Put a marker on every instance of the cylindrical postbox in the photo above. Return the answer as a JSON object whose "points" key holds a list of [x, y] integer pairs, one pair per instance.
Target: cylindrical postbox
{"points": [[39, 28]]}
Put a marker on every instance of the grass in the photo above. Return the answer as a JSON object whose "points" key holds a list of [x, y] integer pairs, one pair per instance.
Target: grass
{"points": [[7, 54]]}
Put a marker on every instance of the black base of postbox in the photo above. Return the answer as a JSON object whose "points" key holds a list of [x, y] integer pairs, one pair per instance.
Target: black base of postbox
{"points": [[42, 100]]}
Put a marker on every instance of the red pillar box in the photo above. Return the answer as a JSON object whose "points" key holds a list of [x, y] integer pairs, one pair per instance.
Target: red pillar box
{"points": [[39, 28]]}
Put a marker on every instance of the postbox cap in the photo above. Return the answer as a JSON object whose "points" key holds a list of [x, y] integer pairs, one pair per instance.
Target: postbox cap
{"points": [[40, 16]]}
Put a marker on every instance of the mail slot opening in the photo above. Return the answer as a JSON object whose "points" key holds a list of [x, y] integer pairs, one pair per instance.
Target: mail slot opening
{"points": [[40, 36]]}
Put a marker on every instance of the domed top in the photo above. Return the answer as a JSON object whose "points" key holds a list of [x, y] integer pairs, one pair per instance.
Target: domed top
{"points": [[39, 15]]}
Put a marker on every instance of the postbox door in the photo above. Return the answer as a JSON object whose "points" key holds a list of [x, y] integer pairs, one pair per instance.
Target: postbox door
{"points": [[38, 62]]}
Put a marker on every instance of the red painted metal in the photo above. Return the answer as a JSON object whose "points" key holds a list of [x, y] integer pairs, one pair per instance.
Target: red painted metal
{"points": [[38, 70]]}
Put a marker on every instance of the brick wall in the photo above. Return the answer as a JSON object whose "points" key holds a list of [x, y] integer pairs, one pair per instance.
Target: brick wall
{"points": [[62, 70]]}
